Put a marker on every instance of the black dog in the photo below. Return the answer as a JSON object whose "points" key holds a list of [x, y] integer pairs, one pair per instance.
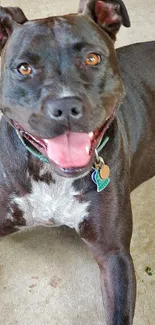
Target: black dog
{"points": [[61, 88]]}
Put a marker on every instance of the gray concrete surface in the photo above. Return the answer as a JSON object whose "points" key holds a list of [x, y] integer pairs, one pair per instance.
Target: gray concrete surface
{"points": [[48, 276]]}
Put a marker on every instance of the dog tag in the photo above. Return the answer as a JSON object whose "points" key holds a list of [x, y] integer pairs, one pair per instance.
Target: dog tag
{"points": [[104, 172], [101, 183], [100, 175]]}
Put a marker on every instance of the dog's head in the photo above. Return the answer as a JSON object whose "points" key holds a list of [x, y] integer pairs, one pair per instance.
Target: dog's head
{"points": [[60, 81]]}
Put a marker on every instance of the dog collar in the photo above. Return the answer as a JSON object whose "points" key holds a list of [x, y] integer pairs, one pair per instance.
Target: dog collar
{"points": [[34, 152]]}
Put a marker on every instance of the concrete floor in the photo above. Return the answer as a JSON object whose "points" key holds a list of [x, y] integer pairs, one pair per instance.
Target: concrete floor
{"points": [[48, 276]]}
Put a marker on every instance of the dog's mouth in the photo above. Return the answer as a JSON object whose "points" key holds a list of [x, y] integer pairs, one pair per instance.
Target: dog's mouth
{"points": [[71, 153]]}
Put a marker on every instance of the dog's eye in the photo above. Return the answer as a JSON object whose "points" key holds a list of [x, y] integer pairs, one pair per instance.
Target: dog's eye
{"points": [[92, 59], [25, 69]]}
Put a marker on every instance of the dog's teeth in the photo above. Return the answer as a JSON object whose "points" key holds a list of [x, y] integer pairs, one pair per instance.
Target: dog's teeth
{"points": [[91, 135]]}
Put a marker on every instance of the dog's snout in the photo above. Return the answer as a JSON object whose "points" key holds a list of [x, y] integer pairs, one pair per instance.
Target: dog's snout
{"points": [[64, 108]]}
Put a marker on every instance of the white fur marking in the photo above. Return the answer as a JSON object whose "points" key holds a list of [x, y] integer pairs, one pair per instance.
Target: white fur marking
{"points": [[52, 205], [65, 93]]}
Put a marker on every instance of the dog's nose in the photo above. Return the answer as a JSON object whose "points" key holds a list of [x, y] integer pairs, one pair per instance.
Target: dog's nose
{"points": [[68, 107]]}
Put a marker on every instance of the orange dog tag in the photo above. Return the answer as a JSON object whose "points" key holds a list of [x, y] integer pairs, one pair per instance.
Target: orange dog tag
{"points": [[104, 172]]}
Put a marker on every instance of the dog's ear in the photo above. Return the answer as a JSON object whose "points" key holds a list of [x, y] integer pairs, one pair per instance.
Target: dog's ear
{"points": [[108, 14], [10, 17]]}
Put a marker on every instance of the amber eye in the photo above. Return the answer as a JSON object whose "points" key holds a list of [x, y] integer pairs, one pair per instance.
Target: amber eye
{"points": [[92, 59], [25, 69]]}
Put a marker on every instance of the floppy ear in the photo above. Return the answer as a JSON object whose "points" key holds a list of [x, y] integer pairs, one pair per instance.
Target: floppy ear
{"points": [[9, 18], [108, 14]]}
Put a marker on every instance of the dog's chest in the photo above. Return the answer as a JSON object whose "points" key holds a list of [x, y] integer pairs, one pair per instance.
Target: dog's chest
{"points": [[51, 204]]}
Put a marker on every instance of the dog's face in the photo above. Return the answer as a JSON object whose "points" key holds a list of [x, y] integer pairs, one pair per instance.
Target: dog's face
{"points": [[60, 85]]}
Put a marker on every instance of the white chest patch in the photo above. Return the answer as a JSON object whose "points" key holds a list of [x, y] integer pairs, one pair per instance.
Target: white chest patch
{"points": [[52, 205]]}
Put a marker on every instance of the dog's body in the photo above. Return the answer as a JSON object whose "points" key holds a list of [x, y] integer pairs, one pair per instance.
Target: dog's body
{"points": [[33, 193], [42, 195]]}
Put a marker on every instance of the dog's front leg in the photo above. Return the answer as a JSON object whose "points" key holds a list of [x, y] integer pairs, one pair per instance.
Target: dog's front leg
{"points": [[118, 287], [108, 236]]}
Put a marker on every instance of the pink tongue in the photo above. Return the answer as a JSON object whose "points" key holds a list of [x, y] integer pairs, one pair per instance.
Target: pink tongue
{"points": [[69, 150]]}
